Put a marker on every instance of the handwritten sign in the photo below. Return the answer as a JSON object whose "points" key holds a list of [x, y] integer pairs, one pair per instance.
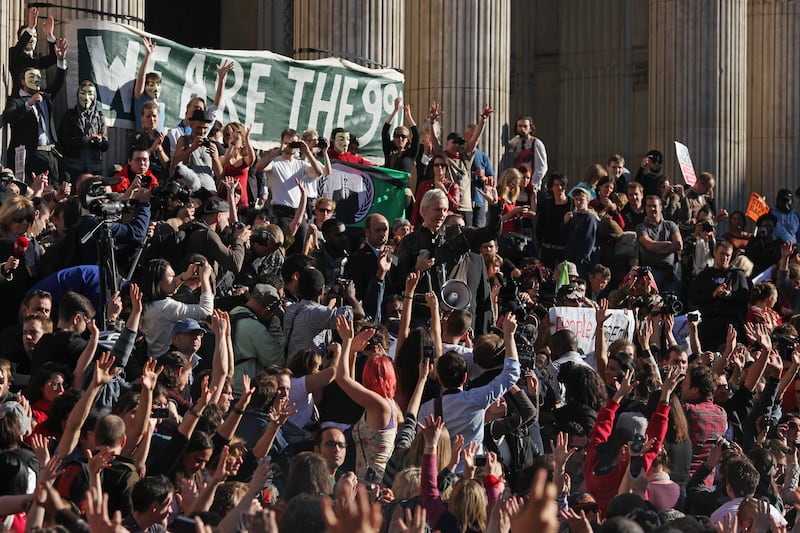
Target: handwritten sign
{"points": [[581, 321], [756, 206], [685, 162]]}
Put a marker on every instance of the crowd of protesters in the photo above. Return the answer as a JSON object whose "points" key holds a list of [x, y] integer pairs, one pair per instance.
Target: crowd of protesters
{"points": [[195, 341]]}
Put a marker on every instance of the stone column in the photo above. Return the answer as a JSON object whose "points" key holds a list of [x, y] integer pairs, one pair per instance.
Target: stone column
{"points": [[602, 108], [698, 88], [773, 118], [458, 53], [368, 32], [14, 13]]}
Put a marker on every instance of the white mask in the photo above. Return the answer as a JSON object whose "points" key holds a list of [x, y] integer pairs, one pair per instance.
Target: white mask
{"points": [[86, 96], [33, 80]]}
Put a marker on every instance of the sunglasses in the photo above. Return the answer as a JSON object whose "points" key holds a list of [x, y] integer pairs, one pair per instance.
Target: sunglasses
{"points": [[324, 210], [400, 135]]}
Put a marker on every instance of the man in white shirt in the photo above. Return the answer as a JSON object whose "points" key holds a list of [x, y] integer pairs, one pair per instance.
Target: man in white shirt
{"points": [[741, 481], [286, 167]]}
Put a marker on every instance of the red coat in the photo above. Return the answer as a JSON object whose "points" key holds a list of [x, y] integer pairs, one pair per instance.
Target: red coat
{"points": [[604, 487]]}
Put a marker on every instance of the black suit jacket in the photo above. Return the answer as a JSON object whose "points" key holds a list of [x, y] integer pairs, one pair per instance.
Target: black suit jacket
{"points": [[24, 126], [18, 60]]}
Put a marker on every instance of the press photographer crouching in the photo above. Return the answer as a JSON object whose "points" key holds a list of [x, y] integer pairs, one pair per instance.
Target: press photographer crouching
{"points": [[137, 172]]}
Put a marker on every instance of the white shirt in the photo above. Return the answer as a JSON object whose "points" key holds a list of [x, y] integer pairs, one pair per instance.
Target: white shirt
{"points": [[281, 175], [732, 507]]}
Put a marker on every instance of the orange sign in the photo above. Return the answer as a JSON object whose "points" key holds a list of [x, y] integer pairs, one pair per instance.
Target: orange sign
{"points": [[757, 206]]}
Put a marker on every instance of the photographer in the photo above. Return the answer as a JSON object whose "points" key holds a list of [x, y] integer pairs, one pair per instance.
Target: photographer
{"points": [[137, 172], [721, 293], [257, 334], [96, 206], [196, 160]]}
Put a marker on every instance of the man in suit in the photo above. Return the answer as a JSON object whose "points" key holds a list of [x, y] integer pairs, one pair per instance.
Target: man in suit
{"points": [[362, 268], [22, 55], [30, 114]]}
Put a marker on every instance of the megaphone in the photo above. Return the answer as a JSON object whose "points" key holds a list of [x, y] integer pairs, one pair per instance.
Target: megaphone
{"points": [[455, 294]]}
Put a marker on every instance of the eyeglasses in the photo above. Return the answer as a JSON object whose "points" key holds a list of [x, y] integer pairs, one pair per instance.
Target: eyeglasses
{"points": [[55, 385], [441, 165], [20, 220], [400, 135], [335, 444]]}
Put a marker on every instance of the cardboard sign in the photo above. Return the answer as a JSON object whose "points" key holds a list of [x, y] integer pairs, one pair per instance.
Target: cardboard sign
{"points": [[685, 162], [582, 322], [756, 206]]}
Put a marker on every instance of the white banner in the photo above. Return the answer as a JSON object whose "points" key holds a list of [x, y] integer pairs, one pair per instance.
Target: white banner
{"points": [[685, 162], [582, 322]]}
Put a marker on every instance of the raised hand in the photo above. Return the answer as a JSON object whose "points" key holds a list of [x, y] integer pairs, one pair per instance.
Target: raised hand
{"points": [[455, 455], [626, 387], [150, 373], [671, 380], [358, 517], [104, 369], [434, 111], [397, 104], [468, 455], [149, 46], [601, 313], [136, 299], [39, 444], [408, 522], [33, 16], [97, 513], [561, 451], [48, 471], [99, 461], [431, 430], [280, 414], [577, 522], [224, 68], [62, 45], [487, 110], [48, 26], [411, 283], [344, 328]]}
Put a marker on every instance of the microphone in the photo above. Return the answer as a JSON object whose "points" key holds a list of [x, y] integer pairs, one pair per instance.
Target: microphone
{"points": [[21, 247]]}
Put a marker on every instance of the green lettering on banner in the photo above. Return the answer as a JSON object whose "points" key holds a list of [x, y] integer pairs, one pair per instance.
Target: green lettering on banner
{"points": [[265, 90]]}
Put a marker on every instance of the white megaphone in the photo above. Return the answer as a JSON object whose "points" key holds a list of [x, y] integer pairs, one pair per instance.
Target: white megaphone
{"points": [[455, 294]]}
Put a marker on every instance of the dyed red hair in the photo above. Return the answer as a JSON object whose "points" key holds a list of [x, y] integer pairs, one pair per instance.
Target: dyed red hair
{"points": [[379, 377]]}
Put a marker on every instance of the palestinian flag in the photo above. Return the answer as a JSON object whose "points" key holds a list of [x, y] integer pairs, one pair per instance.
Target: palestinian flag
{"points": [[360, 190]]}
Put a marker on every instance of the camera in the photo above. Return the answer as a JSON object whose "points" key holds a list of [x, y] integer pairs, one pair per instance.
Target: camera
{"points": [[638, 443], [145, 180], [296, 144], [707, 226], [427, 354], [173, 189], [322, 143], [102, 204], [671, 304], [238, 225], [644, 271], [338, 287], [205, 142]]}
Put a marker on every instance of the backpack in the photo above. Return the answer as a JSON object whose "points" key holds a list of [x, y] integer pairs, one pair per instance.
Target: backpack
{"points": [[73, 483]]}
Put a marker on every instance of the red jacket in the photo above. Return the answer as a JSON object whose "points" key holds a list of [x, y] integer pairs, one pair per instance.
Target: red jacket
{"points": [[123, 185], [604, 487]]}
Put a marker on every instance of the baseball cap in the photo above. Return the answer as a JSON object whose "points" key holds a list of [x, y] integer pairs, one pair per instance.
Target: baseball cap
{"points": [[265, 294], [185, 325]]}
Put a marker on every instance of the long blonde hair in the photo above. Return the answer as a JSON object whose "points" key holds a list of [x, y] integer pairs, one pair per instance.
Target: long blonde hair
{"points": [[468, 504], [504, 189]]}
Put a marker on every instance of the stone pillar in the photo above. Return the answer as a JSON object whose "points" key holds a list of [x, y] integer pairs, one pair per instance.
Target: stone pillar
{"points": [[601, 51], [697, 85], [368, 32], [773, 118], [458, 53], [14, 13]]}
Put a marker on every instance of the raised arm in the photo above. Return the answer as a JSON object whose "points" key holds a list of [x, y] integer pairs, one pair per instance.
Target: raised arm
{"points": [[315, 168], [222, 73], [472, 143], [364, 397], [416, 397], [219, 363], [85, 359], [317, 382], [193, 415], [600, 348], [436, 324], [136, 431], [405, 315], [300, 212], [278, 416], [138, 87], [434, 112], [227, 429], [103, 372]]}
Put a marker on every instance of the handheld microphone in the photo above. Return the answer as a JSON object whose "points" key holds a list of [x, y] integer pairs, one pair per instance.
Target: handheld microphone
{"points": [[21, 247]]}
